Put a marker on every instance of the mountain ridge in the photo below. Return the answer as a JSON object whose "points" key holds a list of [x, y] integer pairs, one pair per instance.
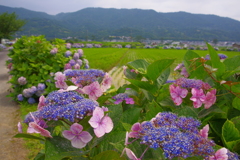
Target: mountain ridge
{"points": [[101, 22]]}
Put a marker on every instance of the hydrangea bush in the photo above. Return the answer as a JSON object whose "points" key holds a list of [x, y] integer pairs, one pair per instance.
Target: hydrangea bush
{"points": [[195, 116], [32, 63]]}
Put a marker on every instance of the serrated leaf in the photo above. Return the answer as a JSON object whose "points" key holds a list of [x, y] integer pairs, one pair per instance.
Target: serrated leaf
{"points": [[230, 132], [58, 148], [236, 103], [139, 63], [155, 69], [216, 63], [143, 85]]}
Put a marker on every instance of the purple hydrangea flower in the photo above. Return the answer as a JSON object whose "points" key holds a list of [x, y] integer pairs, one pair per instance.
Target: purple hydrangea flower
{"points": [[41, 86], [31, 100], [68, 53], [22, 80], [76, 56], [54, 51], [123, 97], [20, 97], [67, 105], [72, 62], [176, 136]]}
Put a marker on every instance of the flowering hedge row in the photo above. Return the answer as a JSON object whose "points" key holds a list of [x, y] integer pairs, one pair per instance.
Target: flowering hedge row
{"points": [[194, 116]]}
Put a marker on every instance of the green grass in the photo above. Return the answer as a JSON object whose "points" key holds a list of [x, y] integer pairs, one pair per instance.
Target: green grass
{"points": [[107, 58]]}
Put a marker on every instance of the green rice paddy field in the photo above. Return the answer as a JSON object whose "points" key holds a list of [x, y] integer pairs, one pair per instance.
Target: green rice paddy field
{"points": [[107, 58], [112, 59]]}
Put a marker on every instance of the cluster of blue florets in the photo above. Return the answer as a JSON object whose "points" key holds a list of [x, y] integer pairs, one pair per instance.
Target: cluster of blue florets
{"points": [[84, 77], [192, 83], [64, 105], [176, 136]]}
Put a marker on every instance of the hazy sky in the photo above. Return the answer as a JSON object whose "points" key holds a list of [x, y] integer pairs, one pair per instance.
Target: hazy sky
{"points": [[223, 8]]}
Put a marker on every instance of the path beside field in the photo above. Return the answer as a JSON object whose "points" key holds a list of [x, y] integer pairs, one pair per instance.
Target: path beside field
{"points": [[10, 148]]}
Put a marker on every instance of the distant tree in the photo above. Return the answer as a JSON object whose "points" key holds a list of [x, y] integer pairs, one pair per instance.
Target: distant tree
{"points": [[9, 25], [215, 41]]}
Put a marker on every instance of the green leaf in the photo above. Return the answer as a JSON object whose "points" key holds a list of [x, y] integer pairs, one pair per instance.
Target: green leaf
{"points": [[131, 115], [193, 65], [232, 63], [236, 103], [108, 155], [29, 136], [230, 132], [127, 126], [152, 110], [57, 148], [216, 63], [236, 121], [186, 111], [236, 147], [212, 109], [139, 64], [156, 68], [144, 85], [216, 125]]}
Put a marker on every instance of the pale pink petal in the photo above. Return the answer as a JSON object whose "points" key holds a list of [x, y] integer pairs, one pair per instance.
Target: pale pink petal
{"points": [[68, 134], [184, 93], [41, 102], [96, 118], [221, 154], [204, 131], [85, 136], [197, 104], [39, 129], [177, 101], [72, 88], [99, 131], [77, 143], [126, 139], [107, 124], [19, 127], [31, 130], [130, 154], [136, 127], [76, 128]]}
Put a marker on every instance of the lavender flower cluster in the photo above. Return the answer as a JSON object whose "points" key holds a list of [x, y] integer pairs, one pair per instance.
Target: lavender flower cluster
{"points": [[82, 78], [176, 136], [64, 105], [123, 97], [220, 55], [30, 92], [192, 83], [77, 60]]}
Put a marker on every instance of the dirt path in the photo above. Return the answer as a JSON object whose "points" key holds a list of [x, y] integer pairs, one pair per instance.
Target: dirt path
{"points": [[10, 148]]}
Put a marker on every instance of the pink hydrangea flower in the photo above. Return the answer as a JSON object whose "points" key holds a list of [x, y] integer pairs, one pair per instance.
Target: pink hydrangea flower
{"points": [[198, 97], [39, 129], [184, 72], [101, 124], [78, 138], [76, 66], [60, 80], [93, 90], [135, 130], [204, 131], [41, 102], [177, 94], [129, 101], [106, 83], [210, 98], [221, 154]]}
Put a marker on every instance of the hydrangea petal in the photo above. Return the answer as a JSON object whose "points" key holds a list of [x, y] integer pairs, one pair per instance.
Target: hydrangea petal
{"points": [[107, 124], [76, 128], [77, 143], [68, 135], [85, 136]]}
